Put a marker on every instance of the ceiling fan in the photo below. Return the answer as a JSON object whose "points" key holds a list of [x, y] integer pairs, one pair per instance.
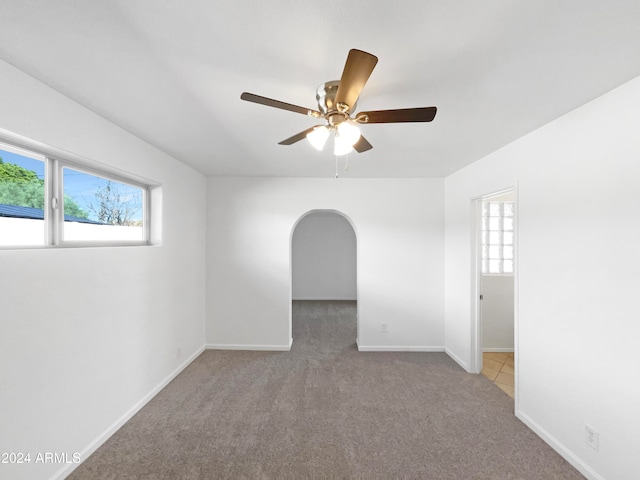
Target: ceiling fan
{"points": [[337, 104]]}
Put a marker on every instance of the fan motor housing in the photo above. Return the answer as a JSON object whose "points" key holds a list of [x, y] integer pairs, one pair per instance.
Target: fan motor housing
{"points": [[326, 96]]}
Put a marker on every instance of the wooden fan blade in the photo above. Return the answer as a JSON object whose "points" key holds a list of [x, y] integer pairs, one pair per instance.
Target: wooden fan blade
{"points": [[269, 102], [425, 114], [297, 137], [362, 145], [354, 77]]}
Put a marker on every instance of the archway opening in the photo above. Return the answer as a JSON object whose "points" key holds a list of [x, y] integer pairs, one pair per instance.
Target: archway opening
{"points": [[324, 281]]}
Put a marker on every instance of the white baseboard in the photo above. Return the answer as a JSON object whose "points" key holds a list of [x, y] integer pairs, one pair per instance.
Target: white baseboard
{"points": [[563, 451], [93, 446], [397, 348], [457, 359], [267, 348], [497, 349], [326, 299]]}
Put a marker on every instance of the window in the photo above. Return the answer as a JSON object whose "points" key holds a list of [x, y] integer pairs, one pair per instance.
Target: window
{"points": [[52, 201], [99, 208], [497, 237], [21, 197]]}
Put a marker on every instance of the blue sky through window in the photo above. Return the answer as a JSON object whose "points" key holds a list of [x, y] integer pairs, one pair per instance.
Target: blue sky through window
{"points": [[84, 188]]}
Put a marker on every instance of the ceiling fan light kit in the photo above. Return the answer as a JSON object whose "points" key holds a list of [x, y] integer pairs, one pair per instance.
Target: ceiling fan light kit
{"points": [[337, 101], [318, 137], [349, 131], [341, 146]]}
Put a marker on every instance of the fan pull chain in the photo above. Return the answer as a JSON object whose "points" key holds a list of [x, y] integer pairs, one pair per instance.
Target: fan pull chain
{"points": [[337, 167], [346, 163]]}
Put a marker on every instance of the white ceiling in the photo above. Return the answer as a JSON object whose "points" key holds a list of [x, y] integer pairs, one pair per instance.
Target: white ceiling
{"points": [[172, 72]]}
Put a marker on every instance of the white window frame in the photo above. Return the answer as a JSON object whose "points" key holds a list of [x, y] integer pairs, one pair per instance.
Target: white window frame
{"points": [[54, 200], [57, 233]]}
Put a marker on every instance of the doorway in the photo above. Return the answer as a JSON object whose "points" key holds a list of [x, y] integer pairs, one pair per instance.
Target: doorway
{"points": [[495, 279], [324, 277]]}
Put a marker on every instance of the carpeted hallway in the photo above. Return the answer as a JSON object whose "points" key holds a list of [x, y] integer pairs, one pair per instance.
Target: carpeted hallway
{"points": [[325, 410]]}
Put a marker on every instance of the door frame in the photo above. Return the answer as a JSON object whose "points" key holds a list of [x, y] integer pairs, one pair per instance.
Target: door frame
{"points": [[476, 281]]}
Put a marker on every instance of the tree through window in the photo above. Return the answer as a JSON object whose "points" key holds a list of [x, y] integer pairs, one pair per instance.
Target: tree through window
{"points": [[116, 209]]}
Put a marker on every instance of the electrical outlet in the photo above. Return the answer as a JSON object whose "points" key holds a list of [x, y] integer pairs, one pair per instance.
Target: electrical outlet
{"points": [[592, 437], [179, 351], [385, 327]]}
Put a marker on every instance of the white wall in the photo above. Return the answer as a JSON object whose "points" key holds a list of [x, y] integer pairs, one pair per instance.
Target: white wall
{"points": [[21, 231], [577, 277], [28, 231], [88, 333], [399, 226], [324, 258], [497, 313]]}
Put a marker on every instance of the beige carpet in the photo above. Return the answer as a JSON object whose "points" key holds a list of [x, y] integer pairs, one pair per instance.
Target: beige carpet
{"points": [[325, 410]]}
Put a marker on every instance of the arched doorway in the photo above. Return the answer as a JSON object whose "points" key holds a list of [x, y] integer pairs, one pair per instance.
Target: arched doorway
{"points": [[324, 278]]}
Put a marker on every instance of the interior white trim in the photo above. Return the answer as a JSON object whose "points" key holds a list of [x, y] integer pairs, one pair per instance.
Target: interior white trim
{"points": [[498, 350], [457, 359], [322, 299], [103, 437], [397, 348], [475, 358], [563, 451], [234, 346]]}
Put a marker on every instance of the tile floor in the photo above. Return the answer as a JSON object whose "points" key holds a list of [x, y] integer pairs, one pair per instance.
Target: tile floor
{"points": [[498, 367]]}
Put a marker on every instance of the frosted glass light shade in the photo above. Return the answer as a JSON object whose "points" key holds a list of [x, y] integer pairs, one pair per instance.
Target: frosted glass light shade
{"points": [[349, 131], [318, 137], [341, 146]]}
